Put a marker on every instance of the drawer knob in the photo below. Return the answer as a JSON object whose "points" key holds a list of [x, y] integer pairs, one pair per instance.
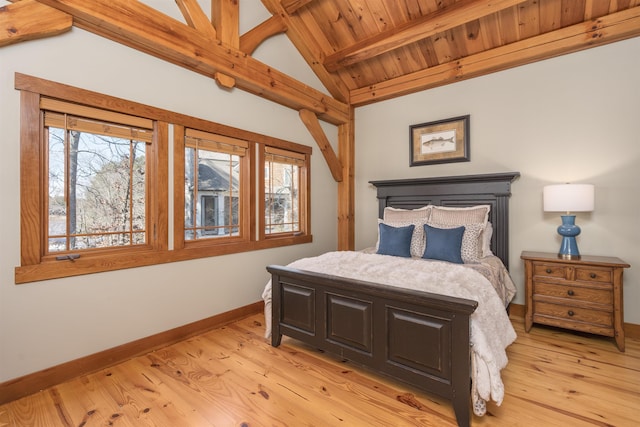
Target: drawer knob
{"points": [[593, 275], [570, 313], [548, 270], [570, 292]]}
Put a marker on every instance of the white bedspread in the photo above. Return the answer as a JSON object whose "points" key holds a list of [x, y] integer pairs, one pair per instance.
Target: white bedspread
{"points": [[491, 330]]}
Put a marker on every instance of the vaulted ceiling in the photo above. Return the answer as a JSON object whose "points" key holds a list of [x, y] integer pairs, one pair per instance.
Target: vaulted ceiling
{"points": [[368, 50]]}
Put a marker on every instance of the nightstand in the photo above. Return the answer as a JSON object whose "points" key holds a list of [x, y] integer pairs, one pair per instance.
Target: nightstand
{"points": [[582, 294]]}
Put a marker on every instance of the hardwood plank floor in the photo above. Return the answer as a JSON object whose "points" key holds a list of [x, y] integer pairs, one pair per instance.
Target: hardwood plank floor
{"points": [[232, 377]]}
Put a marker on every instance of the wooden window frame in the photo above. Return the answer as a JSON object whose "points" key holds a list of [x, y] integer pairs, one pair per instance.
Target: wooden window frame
{"points": [[213, 246], [304, 214], [35, 263], [34, 266]]}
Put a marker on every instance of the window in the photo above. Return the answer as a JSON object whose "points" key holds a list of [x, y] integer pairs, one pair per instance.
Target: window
{"points": [[284, 192], [94, 185], [96, 178], [214, 176]]}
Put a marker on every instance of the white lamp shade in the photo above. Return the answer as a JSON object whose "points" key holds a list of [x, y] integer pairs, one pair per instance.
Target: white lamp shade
{"points": [[569, 198]]}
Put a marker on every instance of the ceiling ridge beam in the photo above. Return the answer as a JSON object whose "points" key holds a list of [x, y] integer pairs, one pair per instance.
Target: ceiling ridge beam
{"points": [[418, 29], [159, 35], [607, 29], [29, 20], [292, 6]]}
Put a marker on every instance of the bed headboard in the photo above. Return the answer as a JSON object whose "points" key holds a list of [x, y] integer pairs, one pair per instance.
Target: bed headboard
{"points": [[457, 191]]}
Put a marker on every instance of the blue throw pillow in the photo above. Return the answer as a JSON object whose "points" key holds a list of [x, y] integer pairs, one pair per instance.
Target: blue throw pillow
{"points": [[444, 244], [395, 241]]}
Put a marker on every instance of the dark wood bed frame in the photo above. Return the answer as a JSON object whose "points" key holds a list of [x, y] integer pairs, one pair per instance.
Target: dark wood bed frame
{"points": [[376, 325]]}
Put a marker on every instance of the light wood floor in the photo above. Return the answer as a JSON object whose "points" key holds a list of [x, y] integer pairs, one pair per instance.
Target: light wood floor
{"points": [[233, 377]]}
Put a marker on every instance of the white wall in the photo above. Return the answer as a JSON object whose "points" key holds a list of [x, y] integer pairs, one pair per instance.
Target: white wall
{"points": [[46, 323], [574, 118]]}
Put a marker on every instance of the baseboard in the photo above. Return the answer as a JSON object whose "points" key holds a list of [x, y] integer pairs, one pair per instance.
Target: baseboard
{"points": [[32, 383], [631, 330]]}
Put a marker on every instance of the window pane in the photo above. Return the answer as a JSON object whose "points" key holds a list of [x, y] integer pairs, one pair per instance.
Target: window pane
{"points": [[212, 194], [282, 197], [97, 190]]}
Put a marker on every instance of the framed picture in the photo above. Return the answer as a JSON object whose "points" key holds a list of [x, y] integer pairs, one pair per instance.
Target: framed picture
{"points": [[442, 141]]}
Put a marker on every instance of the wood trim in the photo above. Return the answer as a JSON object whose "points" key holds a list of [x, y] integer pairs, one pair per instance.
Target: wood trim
{"points": [[34, 382]]}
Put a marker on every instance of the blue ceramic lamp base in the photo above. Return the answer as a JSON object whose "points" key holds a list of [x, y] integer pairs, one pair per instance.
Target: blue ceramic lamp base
{"points": [[569, 230]]}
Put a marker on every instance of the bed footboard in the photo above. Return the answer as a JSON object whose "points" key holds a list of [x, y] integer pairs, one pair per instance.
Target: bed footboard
{"points": [[417, 337]]}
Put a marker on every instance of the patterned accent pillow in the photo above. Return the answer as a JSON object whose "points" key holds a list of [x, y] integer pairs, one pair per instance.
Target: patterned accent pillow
{"points": [[396, 214], [471, 249], [417, 240]]}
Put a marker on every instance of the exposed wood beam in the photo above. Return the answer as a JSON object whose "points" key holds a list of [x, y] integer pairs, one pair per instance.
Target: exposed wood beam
{"points": [[291, 6], [29, 20], [307, 45], [225, 16], [196, 18], [313, 125], [141, 27], [607, 29], [346, 187], [417, 29], [250, 40]]}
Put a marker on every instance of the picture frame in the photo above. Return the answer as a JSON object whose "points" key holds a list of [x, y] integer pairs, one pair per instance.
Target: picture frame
{"points": [[441, 141]]}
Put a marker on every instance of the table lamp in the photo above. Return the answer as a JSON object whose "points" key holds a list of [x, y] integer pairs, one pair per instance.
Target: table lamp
{"points": [[568, 198]]}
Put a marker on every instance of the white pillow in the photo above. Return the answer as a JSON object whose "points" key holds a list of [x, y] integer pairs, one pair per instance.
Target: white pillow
{"points": [[486, 240], [397, 214], [478, 214]]}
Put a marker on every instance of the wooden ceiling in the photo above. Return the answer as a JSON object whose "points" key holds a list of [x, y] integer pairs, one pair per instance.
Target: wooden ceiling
{"points": [[368, 50]]}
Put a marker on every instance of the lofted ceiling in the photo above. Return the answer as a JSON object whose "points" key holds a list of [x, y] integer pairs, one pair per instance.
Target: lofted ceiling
{"points": [[368, 50]]}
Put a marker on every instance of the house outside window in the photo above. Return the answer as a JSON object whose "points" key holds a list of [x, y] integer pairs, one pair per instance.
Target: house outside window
{"points": [[213, 186], [284, 202]]}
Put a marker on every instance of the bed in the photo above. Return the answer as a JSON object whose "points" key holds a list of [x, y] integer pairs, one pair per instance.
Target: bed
{"points": [[411, 327]]}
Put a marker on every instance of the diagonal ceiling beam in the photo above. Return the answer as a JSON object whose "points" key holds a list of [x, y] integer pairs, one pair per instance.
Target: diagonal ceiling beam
{"points": [[141, 27], [196, 18], [607, 29], [250, 40], [309, 48], [420, 28]]}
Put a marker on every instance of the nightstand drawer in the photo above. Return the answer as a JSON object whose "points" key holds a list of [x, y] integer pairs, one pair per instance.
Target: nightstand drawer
{"points": [[574, 292], [594, 275], [548, 270], [566, 312]]}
